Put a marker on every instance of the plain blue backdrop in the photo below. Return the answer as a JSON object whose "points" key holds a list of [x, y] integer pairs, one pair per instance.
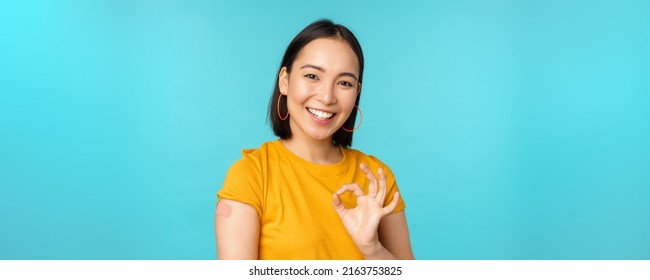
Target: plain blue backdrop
{"points": [[516, 129]]}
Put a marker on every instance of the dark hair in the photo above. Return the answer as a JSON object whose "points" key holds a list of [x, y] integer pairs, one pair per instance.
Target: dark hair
{"points": [[323, 28]]}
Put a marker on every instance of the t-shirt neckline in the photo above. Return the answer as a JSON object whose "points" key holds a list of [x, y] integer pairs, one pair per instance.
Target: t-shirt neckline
{"points": [[334, 168]]}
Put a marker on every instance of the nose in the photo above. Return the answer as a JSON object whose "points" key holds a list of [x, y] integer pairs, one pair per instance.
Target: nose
{"points": [[326, 94]]}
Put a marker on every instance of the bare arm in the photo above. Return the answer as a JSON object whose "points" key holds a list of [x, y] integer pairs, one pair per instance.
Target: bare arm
{"points": [[378, 233], [394, 236], [237, 230], [394, 240]]}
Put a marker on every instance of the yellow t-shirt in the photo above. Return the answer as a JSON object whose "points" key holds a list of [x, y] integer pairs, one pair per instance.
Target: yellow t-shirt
{"points": [[293, 198]]}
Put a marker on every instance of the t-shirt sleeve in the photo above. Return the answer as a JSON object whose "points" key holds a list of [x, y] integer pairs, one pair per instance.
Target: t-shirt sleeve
{"points": [[243, 184], [391, 186]]}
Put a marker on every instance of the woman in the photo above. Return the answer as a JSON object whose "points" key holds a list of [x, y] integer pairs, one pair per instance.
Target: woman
{"points": [[308, 195]]}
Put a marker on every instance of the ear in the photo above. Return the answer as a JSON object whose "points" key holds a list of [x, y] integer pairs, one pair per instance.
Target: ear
{"points": [[283, 80]]}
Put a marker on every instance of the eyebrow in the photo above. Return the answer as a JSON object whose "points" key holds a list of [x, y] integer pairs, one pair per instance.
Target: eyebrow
{"points": [[323, 70]]}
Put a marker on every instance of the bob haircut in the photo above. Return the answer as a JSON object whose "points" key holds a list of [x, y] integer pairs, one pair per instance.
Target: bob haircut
{"points": [[323, 28]]}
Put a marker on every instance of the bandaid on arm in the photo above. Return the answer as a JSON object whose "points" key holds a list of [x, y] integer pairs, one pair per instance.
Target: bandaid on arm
{"points": [[223, 209]]}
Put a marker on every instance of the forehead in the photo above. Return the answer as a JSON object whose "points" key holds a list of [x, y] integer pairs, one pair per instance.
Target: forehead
{"points": [[330, 53]]}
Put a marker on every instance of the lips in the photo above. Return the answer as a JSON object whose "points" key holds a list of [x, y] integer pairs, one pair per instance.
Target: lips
{"points": [[321, 115]]}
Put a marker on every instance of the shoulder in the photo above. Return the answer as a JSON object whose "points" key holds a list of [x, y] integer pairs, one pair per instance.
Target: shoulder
{"points": [[245, 177], [372, 161], [251, 160]]}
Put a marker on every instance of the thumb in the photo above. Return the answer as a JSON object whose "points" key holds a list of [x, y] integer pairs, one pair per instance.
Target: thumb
{"points": [[392, 205], [338, 204]]}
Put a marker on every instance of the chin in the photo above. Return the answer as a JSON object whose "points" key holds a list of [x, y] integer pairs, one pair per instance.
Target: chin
{"points": [[321, 135]]}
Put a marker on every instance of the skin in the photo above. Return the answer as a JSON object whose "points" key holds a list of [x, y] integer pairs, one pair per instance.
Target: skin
{"points": [[223, 210], [332, 88], [324, 77]]}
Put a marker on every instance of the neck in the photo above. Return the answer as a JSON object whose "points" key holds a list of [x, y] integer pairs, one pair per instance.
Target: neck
{"points": [[312, 150]]}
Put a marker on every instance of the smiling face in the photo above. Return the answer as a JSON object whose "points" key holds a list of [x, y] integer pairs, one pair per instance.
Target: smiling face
{"points": [[321, 89]]}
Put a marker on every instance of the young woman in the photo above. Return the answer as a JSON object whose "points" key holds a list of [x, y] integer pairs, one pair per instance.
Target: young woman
{"points": [[308, 195]]}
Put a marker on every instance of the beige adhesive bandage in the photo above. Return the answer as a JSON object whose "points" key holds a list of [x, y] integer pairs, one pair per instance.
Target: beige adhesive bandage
{"points": [[223, 209]]}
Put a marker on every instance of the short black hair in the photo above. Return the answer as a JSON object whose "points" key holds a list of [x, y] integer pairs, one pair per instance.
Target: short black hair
{"points": [[323, 28]]}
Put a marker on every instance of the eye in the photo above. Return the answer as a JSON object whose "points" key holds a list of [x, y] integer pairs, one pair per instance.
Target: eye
{"points": [[345, 83], [311, 76]]}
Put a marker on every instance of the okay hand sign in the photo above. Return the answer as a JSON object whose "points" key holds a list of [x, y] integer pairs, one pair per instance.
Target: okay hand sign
{"points": [[362, 221]]}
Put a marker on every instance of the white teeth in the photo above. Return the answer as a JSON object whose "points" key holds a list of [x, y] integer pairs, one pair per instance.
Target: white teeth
{"points": [[320, 114]]}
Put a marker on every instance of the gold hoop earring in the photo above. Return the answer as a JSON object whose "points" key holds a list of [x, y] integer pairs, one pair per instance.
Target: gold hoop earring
{"points": [[360, 121], [285, 117]]}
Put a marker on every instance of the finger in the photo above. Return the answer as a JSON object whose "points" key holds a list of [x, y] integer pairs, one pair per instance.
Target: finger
{"points": [[391, 206], [372, 188], [354, 188], [338, 204], [382, 185]]}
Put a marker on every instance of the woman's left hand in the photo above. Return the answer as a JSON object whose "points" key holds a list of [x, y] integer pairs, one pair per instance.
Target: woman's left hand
{"points": [[362, 221]]}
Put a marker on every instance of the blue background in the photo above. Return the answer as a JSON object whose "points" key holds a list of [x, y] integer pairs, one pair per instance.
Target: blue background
{"points": [[516, 129]]}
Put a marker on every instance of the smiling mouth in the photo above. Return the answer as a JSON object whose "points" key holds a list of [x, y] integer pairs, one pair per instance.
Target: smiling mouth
{"points": [[320, 114]]}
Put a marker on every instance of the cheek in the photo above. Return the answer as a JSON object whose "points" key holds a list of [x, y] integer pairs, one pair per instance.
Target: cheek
{"points": [[300, 88], [299, 92], [347, 100]]}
